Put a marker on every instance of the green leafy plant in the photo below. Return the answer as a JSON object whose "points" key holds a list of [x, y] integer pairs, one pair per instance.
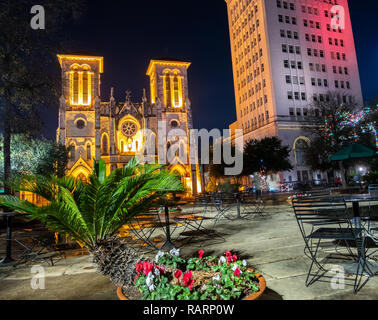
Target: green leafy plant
{"points": [[196, 278], [92, 213]]}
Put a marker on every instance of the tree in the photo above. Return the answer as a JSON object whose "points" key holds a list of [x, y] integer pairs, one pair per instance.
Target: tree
{"points": [[55, 162], [217, 167], [35, 156], [266, 155], [25, 53], [328, 126], [92, 213]]}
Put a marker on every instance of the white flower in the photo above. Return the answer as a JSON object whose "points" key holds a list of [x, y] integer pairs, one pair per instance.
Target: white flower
{"points": [[244, 263], [234, 267], [150, 279], [151, 288], [217, 278], [175, 252], [159, 255], [222, 260], [157, 272]]}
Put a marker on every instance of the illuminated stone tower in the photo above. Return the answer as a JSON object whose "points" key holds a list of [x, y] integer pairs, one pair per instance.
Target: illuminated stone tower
{"points": [[285, 56], [169, 95], [79, 125]]}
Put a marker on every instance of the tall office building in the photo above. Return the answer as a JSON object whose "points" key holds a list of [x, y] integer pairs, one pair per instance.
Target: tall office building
{"points": [[285, 56]]}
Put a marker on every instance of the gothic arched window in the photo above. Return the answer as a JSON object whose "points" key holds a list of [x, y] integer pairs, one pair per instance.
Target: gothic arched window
{"points": [[72, 152], [167, 89], [176, 91], [89, 154], [301, 148], [105, 145], [80, 85]]}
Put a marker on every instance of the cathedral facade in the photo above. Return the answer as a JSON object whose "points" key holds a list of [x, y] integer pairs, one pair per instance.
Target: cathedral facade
{"points": [[115, 131]]}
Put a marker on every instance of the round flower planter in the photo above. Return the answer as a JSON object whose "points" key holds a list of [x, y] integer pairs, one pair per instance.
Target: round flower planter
{"points": [[254, 296]]}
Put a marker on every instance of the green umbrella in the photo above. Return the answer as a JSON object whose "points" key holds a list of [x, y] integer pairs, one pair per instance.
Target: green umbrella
{"points": [[354, 151]]}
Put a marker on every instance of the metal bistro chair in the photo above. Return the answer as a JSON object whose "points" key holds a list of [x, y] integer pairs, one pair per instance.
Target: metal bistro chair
{"points": [[194, 218], [251, 206], [326, 219], [368, 218]]}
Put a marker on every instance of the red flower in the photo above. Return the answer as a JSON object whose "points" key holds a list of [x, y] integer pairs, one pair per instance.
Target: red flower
{"points": [[147, 267], [228, 253], [178, 274], [200, 252], [229, 260], [237, 272], [234, 258], [139, 268], [188, 280]]}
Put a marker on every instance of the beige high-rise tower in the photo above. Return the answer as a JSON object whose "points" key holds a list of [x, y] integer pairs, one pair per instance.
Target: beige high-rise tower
{"points": [[285, 55]]}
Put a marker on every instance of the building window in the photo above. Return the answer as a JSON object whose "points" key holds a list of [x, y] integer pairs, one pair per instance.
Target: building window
{"points": [[80, 85], [80, 124], [176, 91], [105, 145], [301, 149], [167, 90], [89, 154], [72, 152]]}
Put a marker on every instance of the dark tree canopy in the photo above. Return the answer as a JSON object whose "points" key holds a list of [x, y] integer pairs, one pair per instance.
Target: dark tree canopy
{"points": [[26, 83], [35, 156], [266, 155]]}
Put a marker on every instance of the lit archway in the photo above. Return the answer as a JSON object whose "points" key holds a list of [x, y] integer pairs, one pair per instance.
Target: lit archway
{"points": [[300, 148]]}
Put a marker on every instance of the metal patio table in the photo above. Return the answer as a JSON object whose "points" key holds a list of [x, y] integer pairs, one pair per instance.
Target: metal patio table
{"points": [[355, 200]]}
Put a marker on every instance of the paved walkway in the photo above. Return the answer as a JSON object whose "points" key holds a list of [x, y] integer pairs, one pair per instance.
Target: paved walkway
{"points": [[272, 244]]}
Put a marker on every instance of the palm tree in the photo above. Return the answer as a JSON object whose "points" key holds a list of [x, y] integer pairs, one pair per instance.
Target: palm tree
{"points": [[92, 213]]}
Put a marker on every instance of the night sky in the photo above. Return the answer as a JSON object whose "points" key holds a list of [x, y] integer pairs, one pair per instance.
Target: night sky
{"points": [[129, 33]]}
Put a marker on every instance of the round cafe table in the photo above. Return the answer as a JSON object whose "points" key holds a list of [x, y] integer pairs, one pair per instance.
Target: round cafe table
{"points": [[355, 200]]}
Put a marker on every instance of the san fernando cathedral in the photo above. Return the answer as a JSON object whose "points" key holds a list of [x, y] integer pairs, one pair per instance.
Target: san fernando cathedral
{"points": [[93, 129]]}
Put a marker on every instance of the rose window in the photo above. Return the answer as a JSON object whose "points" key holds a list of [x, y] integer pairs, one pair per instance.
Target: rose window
{"points": [[129, 129]]}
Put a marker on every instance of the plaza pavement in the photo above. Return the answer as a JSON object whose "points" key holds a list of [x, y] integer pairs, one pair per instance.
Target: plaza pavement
{"points": [[272, 244]]}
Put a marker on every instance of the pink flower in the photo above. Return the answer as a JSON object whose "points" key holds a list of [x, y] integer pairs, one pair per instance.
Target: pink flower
{"points": [[200, 253], [161, 269], [237, 272]]}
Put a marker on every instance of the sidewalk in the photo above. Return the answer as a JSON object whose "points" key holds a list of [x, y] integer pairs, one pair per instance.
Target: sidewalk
{"points": [[273, 245]]}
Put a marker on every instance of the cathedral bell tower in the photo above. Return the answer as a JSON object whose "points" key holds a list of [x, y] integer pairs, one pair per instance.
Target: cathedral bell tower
{"points": [[79, 111], [169, 95]]}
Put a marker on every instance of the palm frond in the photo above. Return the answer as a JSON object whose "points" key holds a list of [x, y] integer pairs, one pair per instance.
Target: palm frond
{"points": [[93, 212]]}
